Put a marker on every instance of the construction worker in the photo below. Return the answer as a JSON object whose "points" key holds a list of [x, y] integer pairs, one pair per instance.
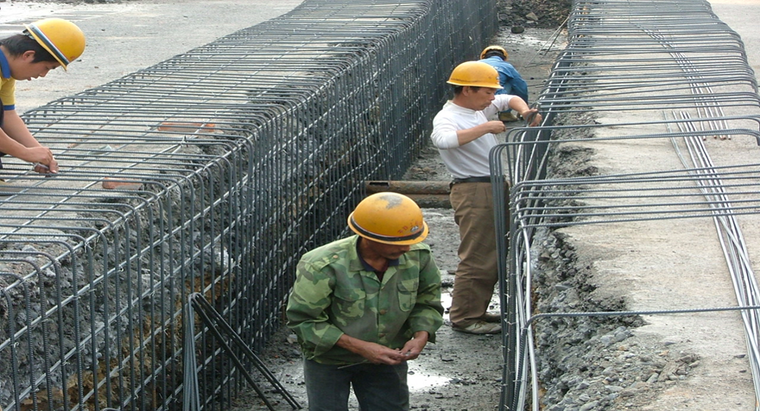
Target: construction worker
{"points": [[464, 137], [43, 46], [509, 78], [364, 305]]}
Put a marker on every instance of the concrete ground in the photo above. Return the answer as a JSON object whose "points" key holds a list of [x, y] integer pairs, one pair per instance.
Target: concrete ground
{"points": [[742, 17], [125, 37]]}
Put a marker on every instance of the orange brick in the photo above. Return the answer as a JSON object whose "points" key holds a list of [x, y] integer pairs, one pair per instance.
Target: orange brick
{"points": [[110, 183]]}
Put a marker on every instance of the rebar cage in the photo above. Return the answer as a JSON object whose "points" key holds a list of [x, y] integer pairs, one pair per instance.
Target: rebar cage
{"points": [[211, 173], [637, 78]]}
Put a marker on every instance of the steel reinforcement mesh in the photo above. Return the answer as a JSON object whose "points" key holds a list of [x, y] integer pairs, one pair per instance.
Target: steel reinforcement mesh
{"points": [[211, 173], [638, 79]]}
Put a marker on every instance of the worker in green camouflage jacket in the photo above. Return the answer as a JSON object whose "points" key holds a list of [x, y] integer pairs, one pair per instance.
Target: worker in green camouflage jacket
{"points": [[365, 305]]}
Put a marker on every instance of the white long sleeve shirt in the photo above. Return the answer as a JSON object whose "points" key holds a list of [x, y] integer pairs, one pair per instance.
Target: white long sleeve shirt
{"points": [[471, 159]]}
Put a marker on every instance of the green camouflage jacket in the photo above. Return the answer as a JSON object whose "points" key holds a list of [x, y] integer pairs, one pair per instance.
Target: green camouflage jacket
{"points": [[333, 295]]}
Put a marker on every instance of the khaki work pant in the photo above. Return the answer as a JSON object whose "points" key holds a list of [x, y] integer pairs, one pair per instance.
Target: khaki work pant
{"points": [[476, 273]]}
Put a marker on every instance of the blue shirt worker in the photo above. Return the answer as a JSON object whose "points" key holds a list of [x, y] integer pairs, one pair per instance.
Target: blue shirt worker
{"points": [[43, 46], [363, 306], [509, 78]]}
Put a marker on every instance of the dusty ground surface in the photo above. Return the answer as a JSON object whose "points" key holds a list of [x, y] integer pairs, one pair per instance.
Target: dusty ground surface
{"points": [[126, 36]]}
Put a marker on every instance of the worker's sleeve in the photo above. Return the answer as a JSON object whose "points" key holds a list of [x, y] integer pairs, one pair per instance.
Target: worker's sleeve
{"points": [[512, 77], [8, 93], [307, 309], [520, 88], [499, 103], [427, 314], [444, 134]]}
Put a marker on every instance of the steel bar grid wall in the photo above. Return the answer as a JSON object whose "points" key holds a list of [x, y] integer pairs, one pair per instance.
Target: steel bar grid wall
{"points": [[635, 75], [211, 173]]}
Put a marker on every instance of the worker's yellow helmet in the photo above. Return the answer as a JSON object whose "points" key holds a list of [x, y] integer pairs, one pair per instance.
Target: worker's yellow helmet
{"points": [[389, 218], [61, 38], [475, 74], [500, 49]]}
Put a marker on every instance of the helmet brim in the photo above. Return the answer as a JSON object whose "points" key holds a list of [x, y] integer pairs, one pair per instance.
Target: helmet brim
{"points": [[474, 84], [46, 44], [418, 237]]}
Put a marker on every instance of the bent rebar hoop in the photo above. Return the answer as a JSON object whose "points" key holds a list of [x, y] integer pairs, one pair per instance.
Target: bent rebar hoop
{"points": [[216, 324]]}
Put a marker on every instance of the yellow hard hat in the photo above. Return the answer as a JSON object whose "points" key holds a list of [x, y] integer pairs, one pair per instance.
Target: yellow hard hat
{"points": [[389, 218], [494, 48], [475, 74], [61, 38]]}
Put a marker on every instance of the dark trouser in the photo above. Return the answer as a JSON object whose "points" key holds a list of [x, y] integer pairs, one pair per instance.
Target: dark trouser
{"points": [[476, 273], [377, 387]]}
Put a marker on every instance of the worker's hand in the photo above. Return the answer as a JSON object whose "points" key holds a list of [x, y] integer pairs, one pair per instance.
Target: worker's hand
{"points": [[380, 354], [43, 169], [44, 157], [495, 127], [532, 116], [413, 347], [471, 134], [373, 352]]}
